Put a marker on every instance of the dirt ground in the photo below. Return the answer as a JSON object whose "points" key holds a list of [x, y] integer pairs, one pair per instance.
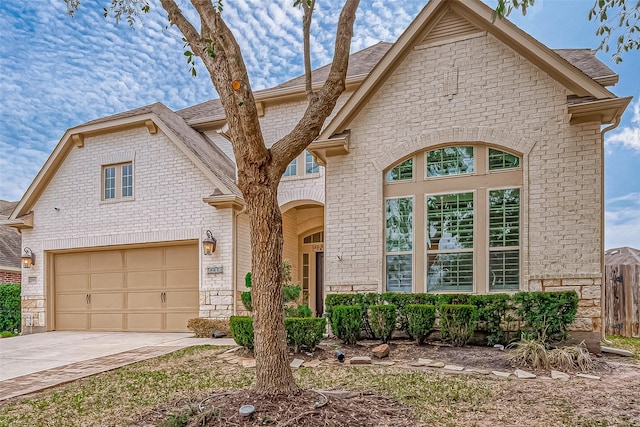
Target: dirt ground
{"points": [[614, 400]]}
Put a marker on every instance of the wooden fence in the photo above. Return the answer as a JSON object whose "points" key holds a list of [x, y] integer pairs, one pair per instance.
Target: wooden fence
{"points": [[622, 303]]}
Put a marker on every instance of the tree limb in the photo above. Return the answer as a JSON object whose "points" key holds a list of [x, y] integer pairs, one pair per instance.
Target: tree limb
{"points": [[306, 35], [321, 105]]}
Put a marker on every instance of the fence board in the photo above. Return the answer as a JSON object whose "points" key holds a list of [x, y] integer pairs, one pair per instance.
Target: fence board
{"points": [[622, 303]]}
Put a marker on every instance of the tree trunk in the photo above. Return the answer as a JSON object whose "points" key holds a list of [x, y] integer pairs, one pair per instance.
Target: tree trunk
{"points": [[273, 372]]}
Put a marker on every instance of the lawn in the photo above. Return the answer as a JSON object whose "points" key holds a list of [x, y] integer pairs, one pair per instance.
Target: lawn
{"points": [[150, 392]]}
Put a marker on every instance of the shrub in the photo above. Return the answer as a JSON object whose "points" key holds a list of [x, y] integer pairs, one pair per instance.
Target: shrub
{"points": [[421, 318], [290, 293], [304, 332], [346, 322], [247, 280], [300, 311], [382, 319], [457, 323], [204, 328], [529, 352], [242, 330], [493, 310], [10, 307], [246, 300], [547, 314]]}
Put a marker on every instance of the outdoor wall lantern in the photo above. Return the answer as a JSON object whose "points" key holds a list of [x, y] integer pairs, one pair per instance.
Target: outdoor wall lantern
{"points": [[208, 244], [28, 259]]}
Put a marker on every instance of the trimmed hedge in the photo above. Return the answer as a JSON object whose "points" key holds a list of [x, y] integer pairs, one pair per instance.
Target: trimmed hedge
{"points": [[10, 307], [346, 322], [204, 328], [304, 332], [421, 318], [497, 314], [242, 330], [457, 323], [383, 321]]}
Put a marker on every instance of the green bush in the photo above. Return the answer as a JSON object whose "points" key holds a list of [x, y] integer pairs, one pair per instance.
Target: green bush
{"points": [[493, 312], [421, 318], [457, 323], [290, 293], [304, 333], [382, 319], [346, 323], [10, 307], [299, 311], [246, 300], [242, 330], [247, 280], [547, 314]]}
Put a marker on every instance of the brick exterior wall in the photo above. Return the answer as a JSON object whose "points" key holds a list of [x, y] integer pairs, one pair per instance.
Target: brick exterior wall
{"points": [[502, 100], [10, 276], [167, 206]]}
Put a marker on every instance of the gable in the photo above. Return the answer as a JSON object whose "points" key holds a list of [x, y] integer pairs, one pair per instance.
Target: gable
{"points": [[450, 25]]}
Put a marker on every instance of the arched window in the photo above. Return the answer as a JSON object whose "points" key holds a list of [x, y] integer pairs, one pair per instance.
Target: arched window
{"points": [[453, 221]]}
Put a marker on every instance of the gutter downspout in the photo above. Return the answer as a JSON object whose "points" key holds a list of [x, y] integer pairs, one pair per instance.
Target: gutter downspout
{"points": [[603, 307]]}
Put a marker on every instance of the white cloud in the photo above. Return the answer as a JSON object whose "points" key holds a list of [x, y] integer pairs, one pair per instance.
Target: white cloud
{"points": [[628, 136], [622, 221]]}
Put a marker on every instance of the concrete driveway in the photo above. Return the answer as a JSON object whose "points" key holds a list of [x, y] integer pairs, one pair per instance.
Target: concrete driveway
{"points": [[29, 354]]}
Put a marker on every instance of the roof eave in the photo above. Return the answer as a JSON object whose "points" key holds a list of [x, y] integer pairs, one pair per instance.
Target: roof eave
{"points": [[604, 111], [225, 201], [338, 145]]}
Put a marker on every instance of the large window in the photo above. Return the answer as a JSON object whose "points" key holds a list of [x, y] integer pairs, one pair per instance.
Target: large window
{"points": [[117, 181], [466, 200]]}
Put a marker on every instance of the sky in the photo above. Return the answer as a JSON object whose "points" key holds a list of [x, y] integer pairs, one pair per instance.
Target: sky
{"points": [[58, 72]]}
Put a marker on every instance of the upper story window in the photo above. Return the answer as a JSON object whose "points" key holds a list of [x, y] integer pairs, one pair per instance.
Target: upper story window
{"points": [[453, 221], [307, 166], [117, 181]]}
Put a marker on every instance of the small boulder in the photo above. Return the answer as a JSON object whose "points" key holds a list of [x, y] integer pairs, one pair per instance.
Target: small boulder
{"points": [[501, 374], [360, 360], [557, 375], [381, 351], [454, 368], [524, 375], [435, 364]]}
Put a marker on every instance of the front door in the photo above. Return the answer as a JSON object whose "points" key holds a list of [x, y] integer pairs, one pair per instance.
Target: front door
{"points": [[319, 283]]}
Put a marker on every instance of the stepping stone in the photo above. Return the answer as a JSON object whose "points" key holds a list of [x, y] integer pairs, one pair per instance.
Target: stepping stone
{"points": [[360, 360], [384, 363], [312, 364], [501, 374], [454, 368], [381, 351], [425, 361], [435, 365], [249, 363], [296, 363], [589, 377], [557, 375], [524, 375]]}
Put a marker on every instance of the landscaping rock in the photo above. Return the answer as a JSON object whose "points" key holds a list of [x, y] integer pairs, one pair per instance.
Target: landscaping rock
{"points": [[296, 363], [249, 363], [360, 360], [557, 375], [435, 365], [501, 374], [384, 363], [453, 368], [589, 377], [311, 364], [425, 361], [381, 351], [524, 375]]}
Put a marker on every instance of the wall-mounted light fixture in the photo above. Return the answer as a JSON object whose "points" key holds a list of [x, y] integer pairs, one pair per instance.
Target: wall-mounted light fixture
{"points": [[209, 244], [28, 259]]}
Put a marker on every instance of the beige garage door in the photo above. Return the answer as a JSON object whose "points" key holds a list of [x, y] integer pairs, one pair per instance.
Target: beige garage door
{"points": [[138, 289]]}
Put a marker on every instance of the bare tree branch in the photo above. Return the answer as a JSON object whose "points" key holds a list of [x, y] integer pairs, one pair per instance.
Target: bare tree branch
{"points": [[306, 35], [321, 105]]}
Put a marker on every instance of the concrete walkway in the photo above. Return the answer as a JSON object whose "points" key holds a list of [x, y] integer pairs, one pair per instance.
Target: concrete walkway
{"points": [[34, 362]]}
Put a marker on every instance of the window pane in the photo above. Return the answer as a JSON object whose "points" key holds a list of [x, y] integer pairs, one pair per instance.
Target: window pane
{"points": [[450, 272], [501, 160], [504, 270], [450, 161], [399, 273], [110, 183], [310, 165], [292, 168], [450, 221], [504, 217], [399, 214], [127, 181], [404, 171]]}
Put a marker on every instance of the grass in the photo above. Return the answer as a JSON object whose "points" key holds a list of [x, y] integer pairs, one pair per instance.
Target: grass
{"points": [[631, 344], [169, 384]]}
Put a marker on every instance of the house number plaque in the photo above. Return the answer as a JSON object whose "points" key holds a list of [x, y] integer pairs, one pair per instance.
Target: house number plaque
{"points": [[318, 247], [214, 270]]}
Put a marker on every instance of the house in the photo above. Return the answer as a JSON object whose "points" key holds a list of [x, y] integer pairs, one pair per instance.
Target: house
{"points": [[465, 157], [10, 245]]}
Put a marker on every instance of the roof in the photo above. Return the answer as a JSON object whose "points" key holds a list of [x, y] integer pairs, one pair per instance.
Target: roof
{"points": [[585, 60], [622, 256], [10, 239]]}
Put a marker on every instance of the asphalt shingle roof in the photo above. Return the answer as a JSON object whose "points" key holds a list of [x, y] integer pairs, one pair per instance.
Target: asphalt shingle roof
{"points": [[10, 239]]}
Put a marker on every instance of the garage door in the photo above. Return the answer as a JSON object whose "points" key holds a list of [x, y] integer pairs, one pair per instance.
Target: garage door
{"points": [[137, 289]]}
